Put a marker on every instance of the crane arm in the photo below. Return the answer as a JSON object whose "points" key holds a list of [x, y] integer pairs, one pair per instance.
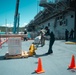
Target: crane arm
{"points": [[16, 17]]}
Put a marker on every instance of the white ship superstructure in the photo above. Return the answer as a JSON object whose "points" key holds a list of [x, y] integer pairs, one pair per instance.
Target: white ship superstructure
{"points": [[57, 15]]}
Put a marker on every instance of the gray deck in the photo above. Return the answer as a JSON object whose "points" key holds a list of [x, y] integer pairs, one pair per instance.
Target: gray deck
{"points": [[53, 64]]}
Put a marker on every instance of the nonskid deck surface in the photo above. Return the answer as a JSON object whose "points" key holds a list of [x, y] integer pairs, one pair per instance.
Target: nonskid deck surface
{"points": [[53, 64]]}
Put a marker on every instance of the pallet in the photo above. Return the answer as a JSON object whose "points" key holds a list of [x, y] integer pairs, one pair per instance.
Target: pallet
{"points": [[23, 55]]}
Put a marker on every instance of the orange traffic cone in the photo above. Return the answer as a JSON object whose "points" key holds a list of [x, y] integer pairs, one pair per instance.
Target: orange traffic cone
{"points": [[74, 67], [72, 64], [39, 68]]}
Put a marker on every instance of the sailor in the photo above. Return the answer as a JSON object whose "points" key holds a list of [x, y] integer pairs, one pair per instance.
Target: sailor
{"points": [[71, 34], [47, 30], [51, 42], [66, 35], [42, 40], [25, 35]]}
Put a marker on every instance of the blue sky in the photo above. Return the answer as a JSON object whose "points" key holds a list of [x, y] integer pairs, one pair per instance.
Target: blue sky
{"points": [[27, 9]]}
